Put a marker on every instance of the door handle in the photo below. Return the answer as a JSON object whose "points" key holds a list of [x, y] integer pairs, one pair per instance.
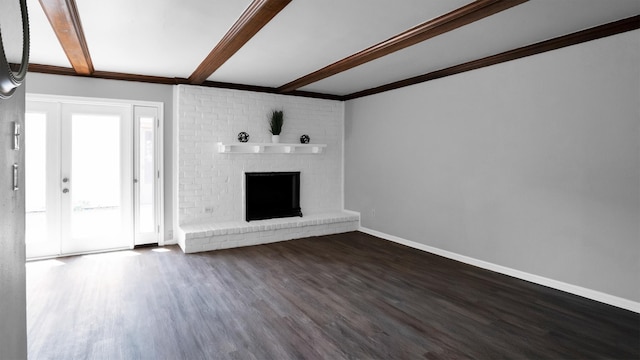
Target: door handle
{"points": [[16, 136], [16, 186]]}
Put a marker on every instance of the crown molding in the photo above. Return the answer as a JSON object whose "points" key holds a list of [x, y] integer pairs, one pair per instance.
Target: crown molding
{"points": [[59, 70]]}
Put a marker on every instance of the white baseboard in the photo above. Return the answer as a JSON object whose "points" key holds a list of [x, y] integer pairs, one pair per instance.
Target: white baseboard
{"points": [[559, 285]]}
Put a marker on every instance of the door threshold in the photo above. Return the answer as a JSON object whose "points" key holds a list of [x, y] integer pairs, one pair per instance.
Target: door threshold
{"points": [[77, 254]]}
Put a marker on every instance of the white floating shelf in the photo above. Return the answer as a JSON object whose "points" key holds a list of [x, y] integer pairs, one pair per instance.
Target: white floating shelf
{"points": [[270, 148]]}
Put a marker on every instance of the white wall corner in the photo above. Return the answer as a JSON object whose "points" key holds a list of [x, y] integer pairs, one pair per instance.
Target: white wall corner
{"points": [[342, 142], [174, 165]]}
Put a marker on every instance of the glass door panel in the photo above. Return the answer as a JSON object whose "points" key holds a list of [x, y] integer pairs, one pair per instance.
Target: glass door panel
{"points": [[146, 175], [41, 168], [96, 212], [146, 165]]}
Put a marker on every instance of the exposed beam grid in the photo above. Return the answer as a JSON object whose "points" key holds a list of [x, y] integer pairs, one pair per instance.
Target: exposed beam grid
{"points": [[254, 18], [462, 16], [65, 21], [609, 29]]}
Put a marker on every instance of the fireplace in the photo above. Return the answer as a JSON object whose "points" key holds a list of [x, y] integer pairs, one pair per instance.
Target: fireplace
{"points": [[271, 195]]}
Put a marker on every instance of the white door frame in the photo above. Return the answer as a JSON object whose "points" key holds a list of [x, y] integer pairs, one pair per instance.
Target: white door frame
{"points": [[159, 151], [155, 113]]}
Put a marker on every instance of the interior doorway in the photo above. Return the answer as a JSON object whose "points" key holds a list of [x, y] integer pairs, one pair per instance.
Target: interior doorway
{"points": [[92, 176]]}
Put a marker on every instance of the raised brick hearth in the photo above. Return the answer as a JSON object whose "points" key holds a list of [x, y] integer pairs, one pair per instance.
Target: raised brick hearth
{"points": [[203, 236]]}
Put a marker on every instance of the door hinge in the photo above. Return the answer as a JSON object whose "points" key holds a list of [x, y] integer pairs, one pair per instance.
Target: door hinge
{"points": [[158, 174], [158, 229], [158, 122]]}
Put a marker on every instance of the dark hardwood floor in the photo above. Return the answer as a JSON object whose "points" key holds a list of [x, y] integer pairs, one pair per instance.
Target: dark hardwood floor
{"points": [[349, 296]]}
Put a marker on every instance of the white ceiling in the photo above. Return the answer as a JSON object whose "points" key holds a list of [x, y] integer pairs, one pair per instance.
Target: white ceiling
{"points": [[170, 38]]}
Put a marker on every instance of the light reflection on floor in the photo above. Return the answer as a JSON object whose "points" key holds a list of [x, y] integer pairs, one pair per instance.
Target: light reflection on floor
{"points": [[40, 264]]}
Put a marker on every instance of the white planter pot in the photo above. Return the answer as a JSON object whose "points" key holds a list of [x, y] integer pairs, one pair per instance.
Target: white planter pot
{"points": [[275, 139]]}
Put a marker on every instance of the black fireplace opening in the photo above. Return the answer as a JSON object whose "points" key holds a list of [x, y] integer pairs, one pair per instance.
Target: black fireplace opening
{"points": [[272, 195]]}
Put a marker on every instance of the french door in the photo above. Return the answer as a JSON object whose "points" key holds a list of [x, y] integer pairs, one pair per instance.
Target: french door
{"points": [[95, 178], [83, 191]]}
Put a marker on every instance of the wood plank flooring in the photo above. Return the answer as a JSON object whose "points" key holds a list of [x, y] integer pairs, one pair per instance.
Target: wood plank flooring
{"points": [[348, 296]]}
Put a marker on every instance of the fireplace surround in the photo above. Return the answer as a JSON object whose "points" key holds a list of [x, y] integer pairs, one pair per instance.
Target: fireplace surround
{"points": [[270, 195], [210, 184]]}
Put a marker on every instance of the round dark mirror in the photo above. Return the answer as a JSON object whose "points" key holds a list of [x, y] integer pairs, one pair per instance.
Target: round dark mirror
{"points": [[14, 45]]}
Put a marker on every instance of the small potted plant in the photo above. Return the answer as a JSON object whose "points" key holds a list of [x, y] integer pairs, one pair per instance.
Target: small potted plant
{"points": [[275, 125]]}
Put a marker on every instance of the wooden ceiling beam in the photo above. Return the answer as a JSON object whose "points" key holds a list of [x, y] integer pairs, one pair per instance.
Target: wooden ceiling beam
{"points": [[65, 21], [254, 18], [609, 29], [462, 16]]}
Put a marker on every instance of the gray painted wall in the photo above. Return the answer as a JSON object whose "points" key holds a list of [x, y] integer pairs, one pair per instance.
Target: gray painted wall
{"points": [[532, 164], [13, 299], [124, 90]]}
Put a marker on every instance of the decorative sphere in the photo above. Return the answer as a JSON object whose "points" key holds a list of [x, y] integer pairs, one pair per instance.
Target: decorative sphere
{"points": [[304, 139], [243, 137]]}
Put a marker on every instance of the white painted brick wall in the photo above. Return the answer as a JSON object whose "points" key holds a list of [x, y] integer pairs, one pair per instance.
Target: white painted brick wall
{"points": [[211, 184]]}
